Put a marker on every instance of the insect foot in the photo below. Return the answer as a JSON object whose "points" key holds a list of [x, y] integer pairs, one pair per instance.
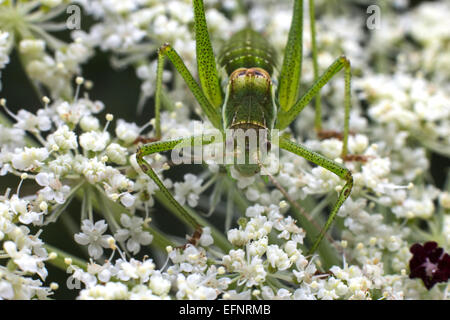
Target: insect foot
{"points": [[328, 134], [145, 140], [356, 158], [194, 239]]}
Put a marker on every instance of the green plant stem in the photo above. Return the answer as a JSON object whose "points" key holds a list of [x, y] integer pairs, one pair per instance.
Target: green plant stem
{"points": [[160, 240], [61, 256]]}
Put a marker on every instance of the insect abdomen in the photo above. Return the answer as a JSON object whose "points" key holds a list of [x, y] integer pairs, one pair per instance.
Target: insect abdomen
{"points": [[247, 49]]}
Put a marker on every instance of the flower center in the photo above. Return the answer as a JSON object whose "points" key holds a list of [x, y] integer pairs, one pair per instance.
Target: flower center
{"points": [[430, 268], [11, 19]]}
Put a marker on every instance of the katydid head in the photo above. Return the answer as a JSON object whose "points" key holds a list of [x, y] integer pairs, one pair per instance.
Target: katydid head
{"points": [[249, 113], [249, 99], [254, 81]]}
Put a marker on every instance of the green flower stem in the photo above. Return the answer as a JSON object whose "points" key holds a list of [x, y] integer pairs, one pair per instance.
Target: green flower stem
{"points": [[58, 210], [73, 227], [160, 240], [274, 283], [61, 256], [283, 275]]}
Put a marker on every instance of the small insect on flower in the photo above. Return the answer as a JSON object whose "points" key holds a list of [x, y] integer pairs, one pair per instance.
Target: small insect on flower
{"points": [[429, 263], [260, 100]]}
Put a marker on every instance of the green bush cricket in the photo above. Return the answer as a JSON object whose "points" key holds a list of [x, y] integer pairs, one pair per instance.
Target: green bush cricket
{"points": [[250, 99]]}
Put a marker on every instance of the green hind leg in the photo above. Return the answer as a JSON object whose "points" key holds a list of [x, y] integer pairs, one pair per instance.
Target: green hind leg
{"points": [[160, 146], [285, 118], [330, 165]]}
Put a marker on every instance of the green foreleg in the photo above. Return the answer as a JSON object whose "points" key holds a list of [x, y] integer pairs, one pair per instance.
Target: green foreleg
{"points": [[330, 165], [285, 118], [211, 112]]}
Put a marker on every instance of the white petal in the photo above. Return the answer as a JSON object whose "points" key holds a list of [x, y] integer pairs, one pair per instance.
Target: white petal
{"points": [[127, 200], [122, 234], [125, 220], [82, 239], [101, 226], [104, 275], [87, 226], [59, 197], [10, 248], [42, 179], [28, 217], [145, 238], [206, 240], [133, 246], [95, 251], [27, 263], [6, 290], [104, 241]]}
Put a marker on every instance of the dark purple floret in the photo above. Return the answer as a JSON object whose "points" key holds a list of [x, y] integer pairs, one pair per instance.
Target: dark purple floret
{"points": [[430, 263]]}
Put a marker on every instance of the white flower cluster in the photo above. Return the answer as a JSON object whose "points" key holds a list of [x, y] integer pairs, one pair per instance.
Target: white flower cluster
{"points": [[28, 28], [55, 72], [77, 154], [427, 49], [413, 104], [23, 276], [132, 29]]}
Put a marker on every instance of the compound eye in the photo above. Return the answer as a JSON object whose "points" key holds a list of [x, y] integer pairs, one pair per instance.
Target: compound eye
{"points": [[257, 73], [242, 73]]}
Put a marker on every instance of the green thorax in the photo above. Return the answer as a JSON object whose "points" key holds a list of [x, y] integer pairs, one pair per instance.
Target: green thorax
{"points": [[249, 102]]}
